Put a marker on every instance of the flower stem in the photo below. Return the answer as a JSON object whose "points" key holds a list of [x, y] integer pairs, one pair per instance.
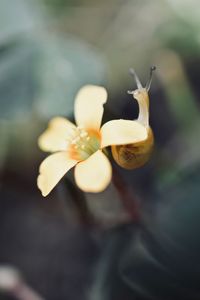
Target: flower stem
{"points": [[129, 201]]}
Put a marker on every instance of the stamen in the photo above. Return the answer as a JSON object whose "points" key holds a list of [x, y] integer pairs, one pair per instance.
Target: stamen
{"points": [[74, 141], [80, 127], [83, 143], [83, 134]]}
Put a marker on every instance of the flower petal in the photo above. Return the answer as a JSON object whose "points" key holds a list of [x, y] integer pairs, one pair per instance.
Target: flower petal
{"points": [[93, 174], [55, 137], [52, 169], [89, 106], [121, 132]]}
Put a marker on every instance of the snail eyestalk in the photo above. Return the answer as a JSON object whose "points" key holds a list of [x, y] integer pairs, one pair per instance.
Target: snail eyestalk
{"points": [[130, 92], [132, 72], [148, 85]]}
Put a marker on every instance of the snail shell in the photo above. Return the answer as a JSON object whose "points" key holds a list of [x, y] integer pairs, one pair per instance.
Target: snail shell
{"points": [[132, 156]]}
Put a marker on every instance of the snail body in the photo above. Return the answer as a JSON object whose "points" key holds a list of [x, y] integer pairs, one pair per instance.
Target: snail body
{"points": [[132, 156]]}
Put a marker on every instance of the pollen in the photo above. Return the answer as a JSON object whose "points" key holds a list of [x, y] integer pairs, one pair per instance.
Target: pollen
{"points": [[84, 143]]}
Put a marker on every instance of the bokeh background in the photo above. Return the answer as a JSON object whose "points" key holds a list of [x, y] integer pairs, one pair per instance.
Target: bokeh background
{"points": [[140, 238]]}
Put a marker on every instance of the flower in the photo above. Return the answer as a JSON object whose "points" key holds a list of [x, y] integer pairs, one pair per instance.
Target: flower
{"points": [[81, 146]]}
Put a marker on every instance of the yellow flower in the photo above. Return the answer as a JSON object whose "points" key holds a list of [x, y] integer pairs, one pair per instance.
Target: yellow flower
{"points": [[81, 146]]}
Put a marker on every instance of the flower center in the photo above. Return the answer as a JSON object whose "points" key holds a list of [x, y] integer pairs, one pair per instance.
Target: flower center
{"points": [[84, 143]]}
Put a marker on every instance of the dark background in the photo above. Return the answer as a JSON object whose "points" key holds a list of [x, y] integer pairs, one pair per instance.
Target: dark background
{"points": [[140, 238]]}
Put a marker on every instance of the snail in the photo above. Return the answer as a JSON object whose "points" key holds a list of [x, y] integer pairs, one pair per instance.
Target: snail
{"points": [[132, 156]]}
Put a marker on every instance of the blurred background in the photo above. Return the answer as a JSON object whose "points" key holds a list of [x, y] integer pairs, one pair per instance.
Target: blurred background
{"points": [[140, 238]]}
